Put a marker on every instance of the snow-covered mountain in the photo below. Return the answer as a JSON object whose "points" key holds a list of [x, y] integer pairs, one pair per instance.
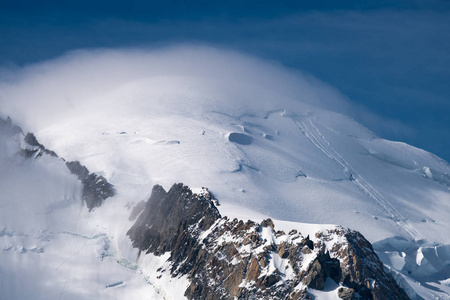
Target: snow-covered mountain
{"points": [[261, 138]]}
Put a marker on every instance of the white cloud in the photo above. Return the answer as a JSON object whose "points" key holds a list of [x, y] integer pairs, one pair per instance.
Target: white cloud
{"points": [[39, 94]]}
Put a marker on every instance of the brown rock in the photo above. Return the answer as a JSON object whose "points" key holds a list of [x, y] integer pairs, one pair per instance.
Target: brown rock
{"points": [[283, 251], [314, 277], [253, 272], [268, 223], [306, 250], [346, 293], [174, 221]]}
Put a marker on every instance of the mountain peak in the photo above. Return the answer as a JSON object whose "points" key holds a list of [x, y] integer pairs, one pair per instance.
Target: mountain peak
{"points": [[230, 258]]}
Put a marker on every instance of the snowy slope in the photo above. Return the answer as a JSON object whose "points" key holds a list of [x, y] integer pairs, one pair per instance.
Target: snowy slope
{"points": [[51, 247], [259, 137]]}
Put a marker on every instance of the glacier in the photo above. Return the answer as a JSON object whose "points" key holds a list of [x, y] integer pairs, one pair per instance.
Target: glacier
{"points": [[267, 141]]}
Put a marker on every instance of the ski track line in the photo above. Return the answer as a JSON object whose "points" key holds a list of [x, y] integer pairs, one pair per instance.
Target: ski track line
{"points": [[318, 140]]}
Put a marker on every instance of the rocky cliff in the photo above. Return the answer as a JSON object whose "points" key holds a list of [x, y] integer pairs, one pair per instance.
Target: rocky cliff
{"points": [[226, 259], [96, 188]]}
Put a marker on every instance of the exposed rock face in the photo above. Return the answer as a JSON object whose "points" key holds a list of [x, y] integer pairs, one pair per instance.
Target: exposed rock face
{"points": [[226, 259], [34, 148], [95, 188], [168, 218]]}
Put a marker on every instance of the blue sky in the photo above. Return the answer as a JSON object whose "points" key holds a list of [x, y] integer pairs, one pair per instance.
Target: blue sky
{"points": [[391, 57]]}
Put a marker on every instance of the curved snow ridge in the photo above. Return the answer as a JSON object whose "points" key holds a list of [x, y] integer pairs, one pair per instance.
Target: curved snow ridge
{"points": [[410, 158]]}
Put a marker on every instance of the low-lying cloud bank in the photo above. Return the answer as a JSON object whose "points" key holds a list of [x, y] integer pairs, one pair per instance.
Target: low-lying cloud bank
{"points": [[41, 94]]}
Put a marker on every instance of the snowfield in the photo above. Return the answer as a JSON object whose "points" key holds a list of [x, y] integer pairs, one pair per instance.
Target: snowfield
{"points": [[267, 142]]}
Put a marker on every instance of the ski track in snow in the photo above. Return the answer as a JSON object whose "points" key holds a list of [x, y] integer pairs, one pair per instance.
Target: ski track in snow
{"points": [[317, 139]]}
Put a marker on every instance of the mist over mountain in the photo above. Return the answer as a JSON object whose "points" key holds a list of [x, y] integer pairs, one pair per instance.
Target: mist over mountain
{"points": [[266, 141]]}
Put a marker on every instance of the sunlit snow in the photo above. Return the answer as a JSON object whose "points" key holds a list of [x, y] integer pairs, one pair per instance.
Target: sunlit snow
{"points": [[258, 136]]}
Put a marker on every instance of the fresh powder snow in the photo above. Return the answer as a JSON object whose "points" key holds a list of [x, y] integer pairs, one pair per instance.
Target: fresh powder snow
{"points": [[258, 136]]}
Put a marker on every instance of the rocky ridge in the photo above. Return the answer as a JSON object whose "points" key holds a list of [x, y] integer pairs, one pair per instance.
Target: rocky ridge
{"points": [[96, 188], [245, 260]]}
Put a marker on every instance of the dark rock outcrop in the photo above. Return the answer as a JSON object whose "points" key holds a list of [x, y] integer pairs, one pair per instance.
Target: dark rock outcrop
{"points": [[95, 188], [172, 215], [225, 259], [35, 148]]}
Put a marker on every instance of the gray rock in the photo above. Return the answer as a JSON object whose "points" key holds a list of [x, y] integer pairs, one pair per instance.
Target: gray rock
{"points": [[232, 267]]}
